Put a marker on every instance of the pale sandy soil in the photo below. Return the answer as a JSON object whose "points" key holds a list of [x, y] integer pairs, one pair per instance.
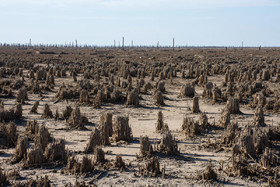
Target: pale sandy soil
{"points": [[142, 121]]}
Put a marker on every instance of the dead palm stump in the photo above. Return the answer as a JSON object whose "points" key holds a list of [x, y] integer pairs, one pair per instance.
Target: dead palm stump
{"points": [[259, 117], [168, 145], [146, 148], [56, 151], [76, 120], [121, 129], [195, 105], [190, 127], [225, 119], [22, 96], [105, 128], [34, 107], [160, 124], [133, 99], [84, 98], [233, 106], [21, 149], [99, 155], [158, 97], [187, 91], [151, 168], [94, 141], [47, 113]]}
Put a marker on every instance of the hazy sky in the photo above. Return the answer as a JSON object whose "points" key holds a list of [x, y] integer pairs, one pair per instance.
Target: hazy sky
{"points": [[100, 22]]}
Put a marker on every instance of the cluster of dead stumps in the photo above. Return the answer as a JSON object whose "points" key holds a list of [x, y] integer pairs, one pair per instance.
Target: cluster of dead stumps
{"points": [[96, 80]]}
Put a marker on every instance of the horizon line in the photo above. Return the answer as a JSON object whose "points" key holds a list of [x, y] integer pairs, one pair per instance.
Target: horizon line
{"points": [[72, 45]]}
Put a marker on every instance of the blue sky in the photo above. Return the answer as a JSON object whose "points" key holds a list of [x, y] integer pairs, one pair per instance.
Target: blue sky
{"points": [[146, 22]]}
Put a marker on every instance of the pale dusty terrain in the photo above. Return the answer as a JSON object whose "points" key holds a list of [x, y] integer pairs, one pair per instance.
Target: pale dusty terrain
{"points": [[142, 120]]}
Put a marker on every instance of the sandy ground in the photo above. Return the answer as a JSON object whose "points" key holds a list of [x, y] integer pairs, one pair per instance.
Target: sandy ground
{"points": [[142, 121]]}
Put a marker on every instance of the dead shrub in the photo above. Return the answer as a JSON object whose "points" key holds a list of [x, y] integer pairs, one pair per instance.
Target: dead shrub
{"points": [[125, 73], [56, 151], [190, 127], [133, 99], [187, 91], [161, 76], [259, 99], [18, 84], [39, 181], [3, 178], [10, 93], [66, 93], [231, 134], [41, 74], [160, 123], [261, 140], [230, 90], [97, 103], [121, 129], [7, 115], [161, 86], [11, 132], [47, 113], [31, 74], [32, 128], [116, 95], [8, 135], [35, 88], [233, 106], [273, 133], [225, 118], [216, 94], [94, 141], [21, 149], [151, 168], [74, 77], [76, 120], [43, 137], [84, 98], [160, 126], [67, 112], [18, 111], [1, 105], [209, 174], [269, 158], [265, 76], [259, 117], [239, 166], [195, 108], [76, 167], [50, 80], [203, 121], [105, 127], [34, 107], [246, 144], [14, 175], [119, 163], [202, 80], [147, 86], [22, 96], [57, 115], [34, 158], [99, 156], [159, 99], [207, 92], [146, 149], [168, 145]]}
